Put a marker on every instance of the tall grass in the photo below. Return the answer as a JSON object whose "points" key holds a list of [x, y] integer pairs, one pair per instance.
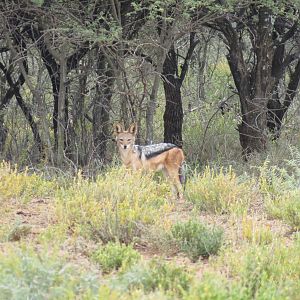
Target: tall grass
{"points": [[219, 191], [22, 185], [25, 274], [281, 193], [117, 206]]}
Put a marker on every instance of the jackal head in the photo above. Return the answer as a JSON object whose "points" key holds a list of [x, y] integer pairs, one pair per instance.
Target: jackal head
{"points": [[125, 138]]}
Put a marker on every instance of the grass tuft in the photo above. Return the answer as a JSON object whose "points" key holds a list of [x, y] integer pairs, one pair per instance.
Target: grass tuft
{"points": [[118, 206], [196, 239], [154, 276], [115, 256], [219, 192], [21, 185]]}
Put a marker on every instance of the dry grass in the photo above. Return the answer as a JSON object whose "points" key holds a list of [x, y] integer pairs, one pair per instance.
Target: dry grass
{"points": [[58, 225]]}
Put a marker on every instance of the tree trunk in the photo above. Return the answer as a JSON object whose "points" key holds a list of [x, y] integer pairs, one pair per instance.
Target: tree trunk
{"points": [[77, 133], [25, 109], [61, 118], [151, 107], [5, 99], [101, 108], [276, 109], [254, 86], [173, 115]]}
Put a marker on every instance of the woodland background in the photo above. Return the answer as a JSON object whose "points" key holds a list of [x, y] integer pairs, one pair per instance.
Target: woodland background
{"points": [[218, 78]]}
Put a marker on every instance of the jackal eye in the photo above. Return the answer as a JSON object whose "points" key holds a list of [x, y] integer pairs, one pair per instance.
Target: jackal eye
{"points": [[121, 140], [129, 140]]}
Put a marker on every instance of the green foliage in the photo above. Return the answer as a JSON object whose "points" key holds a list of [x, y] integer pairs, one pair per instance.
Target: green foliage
{"points": [[115, 256], [117, 206], [154, 276], [27, 275], [14, 184], [38, 2], [213, 286], [281, 193], [285, 207], [266, 272], [219, 192], [18, 231], [256, 233], [196, 239]]}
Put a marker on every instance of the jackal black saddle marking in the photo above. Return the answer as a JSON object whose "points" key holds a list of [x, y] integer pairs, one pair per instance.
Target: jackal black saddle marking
{"points": [[150, 151]]}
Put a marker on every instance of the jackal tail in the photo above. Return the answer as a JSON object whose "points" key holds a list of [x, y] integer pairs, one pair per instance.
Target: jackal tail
{"points": [[182, 174]]}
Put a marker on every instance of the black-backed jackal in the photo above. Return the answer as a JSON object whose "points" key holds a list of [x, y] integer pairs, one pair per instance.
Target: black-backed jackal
{"points": [[164, 156]]}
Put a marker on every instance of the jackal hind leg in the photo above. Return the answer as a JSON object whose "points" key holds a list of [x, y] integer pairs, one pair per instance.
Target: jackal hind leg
{"points": [[173, 176]]}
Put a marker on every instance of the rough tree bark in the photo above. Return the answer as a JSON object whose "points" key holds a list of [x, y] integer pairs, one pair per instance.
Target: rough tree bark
{"points": [[101, 105], [173, 115], [259, 73], [25, 109], [172, 80], [255, 86]]}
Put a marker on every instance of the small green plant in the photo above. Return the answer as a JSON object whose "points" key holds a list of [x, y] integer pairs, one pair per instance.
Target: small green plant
{"points": [[266, 271], [214, 286], [25, 274], [156, 275], [117, 206], [196, 239], [14, 184], [14, 232], [285, 207], [18, 232], [115, 256], [256, 233], [219, 192], [281, 194]]}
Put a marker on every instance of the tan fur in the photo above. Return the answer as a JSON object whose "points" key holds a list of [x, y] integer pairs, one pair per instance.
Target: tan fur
{"points": [[169, 161]]}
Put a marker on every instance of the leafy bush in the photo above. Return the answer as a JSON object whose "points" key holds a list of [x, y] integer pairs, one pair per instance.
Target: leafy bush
{"points": [[266, 272], [219, 192], [281, 194], [18, 231], [114, 256], [26, 275], [117, 206], [196, 239], [256, 233], [213, 286], [154, 276], [14, 184]]}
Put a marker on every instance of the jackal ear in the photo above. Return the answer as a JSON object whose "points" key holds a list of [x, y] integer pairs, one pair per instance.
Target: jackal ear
{"points": [[118, 128], [133, 129]]}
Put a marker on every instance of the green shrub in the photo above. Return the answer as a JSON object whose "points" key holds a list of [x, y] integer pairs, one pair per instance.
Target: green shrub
{"points": [[255, 232], [219, 192], [117, 206], [196, 239], [14, 184], [281, 194], [18, 231], [115, 256], [14, 232], [27, 275], [266, 272], [154, 276], [255, 272], [213, 286]]}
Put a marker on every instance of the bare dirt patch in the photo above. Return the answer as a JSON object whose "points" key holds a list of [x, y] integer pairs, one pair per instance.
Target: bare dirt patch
{"points": [[36, 214]]}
